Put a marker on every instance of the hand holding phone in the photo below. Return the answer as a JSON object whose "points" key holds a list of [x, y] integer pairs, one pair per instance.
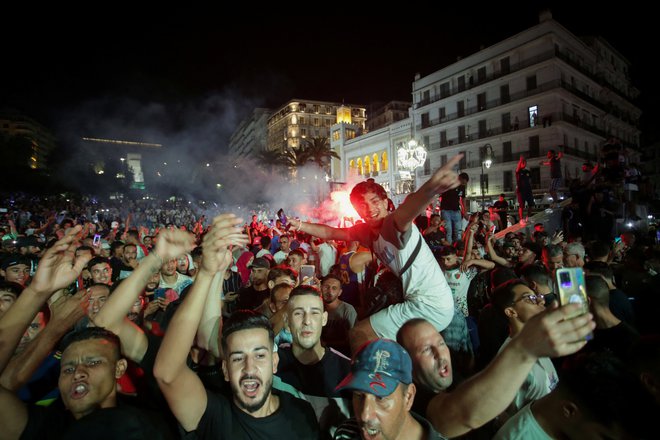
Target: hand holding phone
{"points": [[97, 240], [572, 289]]}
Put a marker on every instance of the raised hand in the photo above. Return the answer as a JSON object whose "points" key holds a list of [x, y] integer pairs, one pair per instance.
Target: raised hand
{"points": [[224, 232], [67, 310], [445, 178], [173, 243], [557, 331], [57, 268]]}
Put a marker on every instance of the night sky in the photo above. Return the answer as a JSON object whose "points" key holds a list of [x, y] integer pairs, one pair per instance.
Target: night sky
{"points": [[176, 63]]}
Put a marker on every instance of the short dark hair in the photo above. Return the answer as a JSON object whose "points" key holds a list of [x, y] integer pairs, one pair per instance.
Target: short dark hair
{"points": [[97, 260], [85, 248], [598, 249], [301, 253], [503, 295], [597, 290], [536, 273], [599, 268], [365, 187], [464, 176], [305, 290], [8, 286], [280, 271], [92, 333], [331, 276], [245, 320], [116, 245]]}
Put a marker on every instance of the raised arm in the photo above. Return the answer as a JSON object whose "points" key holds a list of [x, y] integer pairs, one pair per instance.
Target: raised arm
{"points": [[485, 395], [322, 231], [65, 312], [112, 316], [442, 180], [57, 269], [210, 324], [493, 255], [182, 388]]}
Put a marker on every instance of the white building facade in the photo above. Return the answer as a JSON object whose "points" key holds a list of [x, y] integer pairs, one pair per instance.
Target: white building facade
{"points": [[542, 89]]}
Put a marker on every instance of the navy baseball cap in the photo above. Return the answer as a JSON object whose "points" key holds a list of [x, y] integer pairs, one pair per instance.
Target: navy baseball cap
{"points": [[378, 368]]}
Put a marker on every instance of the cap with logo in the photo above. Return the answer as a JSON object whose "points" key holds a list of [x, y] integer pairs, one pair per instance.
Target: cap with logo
{"points": [[378, 368], [260, 263]]}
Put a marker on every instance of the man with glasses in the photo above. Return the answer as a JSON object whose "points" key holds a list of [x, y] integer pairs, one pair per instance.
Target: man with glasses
{"points": [[519, 303]]}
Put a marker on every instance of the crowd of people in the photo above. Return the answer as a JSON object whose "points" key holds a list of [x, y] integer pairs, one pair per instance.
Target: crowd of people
{"points": [[149, 319]]}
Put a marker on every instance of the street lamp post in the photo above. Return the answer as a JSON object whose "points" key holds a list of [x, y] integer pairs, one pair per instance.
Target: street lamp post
{"points": [[487, 162]]}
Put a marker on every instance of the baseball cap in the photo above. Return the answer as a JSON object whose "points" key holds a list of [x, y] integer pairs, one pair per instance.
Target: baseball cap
{"points": [[14, 259], [378, 368], [260, 263]]}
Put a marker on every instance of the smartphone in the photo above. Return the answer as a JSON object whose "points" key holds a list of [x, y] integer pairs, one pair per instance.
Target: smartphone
{"points": [[572, 289], [159, 293], [617, 239], [307, 271], [97, 240]]}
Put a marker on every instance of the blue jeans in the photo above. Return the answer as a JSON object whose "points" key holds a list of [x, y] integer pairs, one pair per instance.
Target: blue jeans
{"points": [[453, 224]]}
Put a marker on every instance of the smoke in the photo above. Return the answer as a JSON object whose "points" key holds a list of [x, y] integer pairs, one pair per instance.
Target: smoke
{"points": [[193, 163]]}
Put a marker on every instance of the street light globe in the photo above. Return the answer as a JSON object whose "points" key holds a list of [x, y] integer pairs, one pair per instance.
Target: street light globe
{"points": [[412, 143], [488, 163]]}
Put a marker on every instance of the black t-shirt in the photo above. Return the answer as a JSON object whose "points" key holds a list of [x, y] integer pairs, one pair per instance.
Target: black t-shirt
{"points": [[120, 422], [523, 181], [501, 206], [434, 239], [451, 199], [319, 379], [294, 419], [250, 299]]}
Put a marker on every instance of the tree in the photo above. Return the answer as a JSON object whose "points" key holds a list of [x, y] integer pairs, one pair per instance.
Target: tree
{"points": [[318, 150]]}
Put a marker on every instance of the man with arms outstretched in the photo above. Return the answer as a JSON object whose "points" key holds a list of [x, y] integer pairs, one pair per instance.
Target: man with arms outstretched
{"points": [[398, 243]]}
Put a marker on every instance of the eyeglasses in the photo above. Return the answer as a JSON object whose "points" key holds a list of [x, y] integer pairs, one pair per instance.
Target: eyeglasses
{"points": [[532, 298]]}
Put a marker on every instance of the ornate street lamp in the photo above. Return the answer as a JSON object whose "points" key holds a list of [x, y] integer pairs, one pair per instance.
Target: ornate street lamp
{"points": [[487, 162]]}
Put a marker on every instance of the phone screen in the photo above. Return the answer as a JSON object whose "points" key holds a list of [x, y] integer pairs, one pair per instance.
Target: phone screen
{"points": [[306, 271], [97, 239], [159, 293]]}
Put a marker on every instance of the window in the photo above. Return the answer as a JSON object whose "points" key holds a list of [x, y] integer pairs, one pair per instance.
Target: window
{"points": [[531, 82], [506, 152], [533, 113], [506, 122], [426, 97], [481, 101], [483, 129], [427, 166], [534, 148], [461, 133], [351, 164], [425, 120], [376, 162], [481, 74], [385, 164], [359, 167], [350, 134], [504, 94], [335, 135], [315, 108], [536, 177], [367, 165], [443, 160], [461, 83], [505, 66], [303, 132], [443, 138], [442, 113], [426, 142], [302, 120], [444, 90], [463, 163], [507, 179], [460, 108], [316, 122]]}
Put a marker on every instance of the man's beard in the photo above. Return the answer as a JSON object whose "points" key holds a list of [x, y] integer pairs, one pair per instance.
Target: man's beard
{"points": [[254, 406]]}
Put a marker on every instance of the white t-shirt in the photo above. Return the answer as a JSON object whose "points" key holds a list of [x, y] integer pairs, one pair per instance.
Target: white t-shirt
{"points": [[522, 426], [459, 282], [327, 258]]}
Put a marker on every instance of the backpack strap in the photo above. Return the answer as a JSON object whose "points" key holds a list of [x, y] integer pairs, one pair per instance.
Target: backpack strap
{"points": [[412, 256]]}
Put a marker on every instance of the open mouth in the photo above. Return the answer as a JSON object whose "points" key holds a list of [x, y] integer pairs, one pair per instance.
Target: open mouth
{"points": [[369, 433], [250, 387], [444, 370], [79, 391]]}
